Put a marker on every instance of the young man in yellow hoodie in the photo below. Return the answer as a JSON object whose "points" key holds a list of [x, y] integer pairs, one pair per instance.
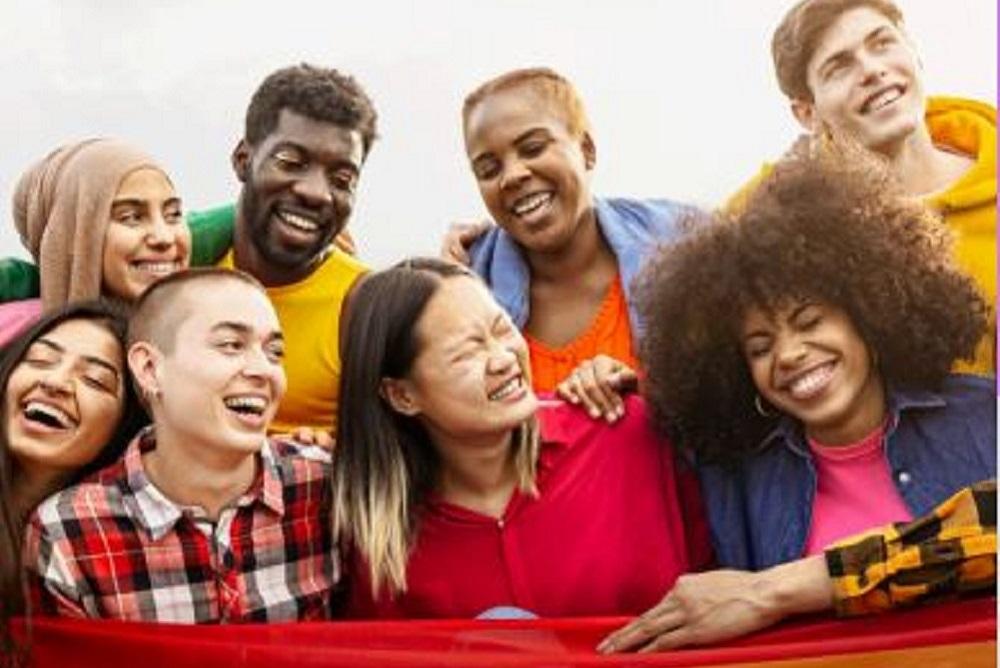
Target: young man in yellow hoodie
{"points": [[848, 68]]}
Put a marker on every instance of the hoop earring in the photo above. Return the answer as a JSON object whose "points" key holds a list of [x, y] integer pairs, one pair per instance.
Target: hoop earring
{"points": [[759, 405]]}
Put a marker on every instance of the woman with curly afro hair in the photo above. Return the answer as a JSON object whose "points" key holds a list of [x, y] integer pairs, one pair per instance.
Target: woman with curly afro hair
{"points": [[802, 354]]}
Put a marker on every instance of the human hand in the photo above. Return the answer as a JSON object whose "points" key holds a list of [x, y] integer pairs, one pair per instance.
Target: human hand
{"points": [[598, 384], [322, 438], [459, 237], [719, 605]]}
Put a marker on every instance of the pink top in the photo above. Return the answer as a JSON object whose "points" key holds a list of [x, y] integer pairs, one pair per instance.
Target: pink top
{"points": [[17, 316], [615, 523], [854, 491]]}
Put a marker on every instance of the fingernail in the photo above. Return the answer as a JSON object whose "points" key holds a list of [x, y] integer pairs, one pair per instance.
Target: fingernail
{"points": [[606, 647], [594, 413], [611, 417]]}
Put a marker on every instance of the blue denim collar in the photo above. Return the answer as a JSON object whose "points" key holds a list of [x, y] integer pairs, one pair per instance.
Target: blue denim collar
{"points": [[789, 430]]}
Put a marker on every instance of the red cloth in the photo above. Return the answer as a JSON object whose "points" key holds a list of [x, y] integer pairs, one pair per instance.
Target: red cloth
{"points": [[959, 628], [606, 536]]}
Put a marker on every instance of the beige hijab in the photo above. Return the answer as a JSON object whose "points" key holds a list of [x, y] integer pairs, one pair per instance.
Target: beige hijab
{"points": [[61, 210]]}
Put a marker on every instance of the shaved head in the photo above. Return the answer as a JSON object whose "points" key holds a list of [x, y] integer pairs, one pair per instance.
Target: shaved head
{"points": [[162, 309]]}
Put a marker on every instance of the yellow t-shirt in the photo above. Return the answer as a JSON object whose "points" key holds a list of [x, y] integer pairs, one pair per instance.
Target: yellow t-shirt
{"points": [[969, 206], [309, 312]]}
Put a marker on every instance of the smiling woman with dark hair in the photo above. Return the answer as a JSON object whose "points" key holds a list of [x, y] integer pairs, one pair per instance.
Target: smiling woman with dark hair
{"points": [[68, 409], [460, 492], [802, 353]]}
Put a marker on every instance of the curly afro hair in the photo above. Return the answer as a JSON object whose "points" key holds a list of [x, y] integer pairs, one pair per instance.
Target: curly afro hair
{"points": [[832, 228], [321, 94]]}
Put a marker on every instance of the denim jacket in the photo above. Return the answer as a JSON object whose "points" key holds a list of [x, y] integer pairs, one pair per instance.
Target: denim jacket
{"points": [[631, 227], [936, 443]]}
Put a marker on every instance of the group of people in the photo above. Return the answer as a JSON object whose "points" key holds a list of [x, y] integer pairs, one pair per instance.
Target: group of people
{"points": [[586, 407]]}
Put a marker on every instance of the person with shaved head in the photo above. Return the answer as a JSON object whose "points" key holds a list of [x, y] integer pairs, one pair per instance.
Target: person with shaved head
{"points": [[204, 520]]}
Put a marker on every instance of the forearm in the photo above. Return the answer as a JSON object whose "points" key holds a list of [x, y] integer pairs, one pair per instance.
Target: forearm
{"points": [[796, 587]]}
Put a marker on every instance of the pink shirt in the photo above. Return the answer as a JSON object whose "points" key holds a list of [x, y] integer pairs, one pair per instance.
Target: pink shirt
{"points": [[614, 525], [17, 316], [854, 491]]}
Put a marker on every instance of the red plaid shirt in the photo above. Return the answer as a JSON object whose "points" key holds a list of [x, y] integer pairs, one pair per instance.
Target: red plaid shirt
{"points": [[115, 547]]}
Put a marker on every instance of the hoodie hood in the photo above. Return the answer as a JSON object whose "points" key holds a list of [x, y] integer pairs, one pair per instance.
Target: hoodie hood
{"points": [[968, 127]]}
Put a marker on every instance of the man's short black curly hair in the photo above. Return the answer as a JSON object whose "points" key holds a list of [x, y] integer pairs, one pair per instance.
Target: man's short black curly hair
{"points": [[318, 93], [831, 229]]}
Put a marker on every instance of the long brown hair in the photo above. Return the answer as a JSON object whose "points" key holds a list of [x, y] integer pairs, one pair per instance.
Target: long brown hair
{"points": [[385, 462], [112, 317]]}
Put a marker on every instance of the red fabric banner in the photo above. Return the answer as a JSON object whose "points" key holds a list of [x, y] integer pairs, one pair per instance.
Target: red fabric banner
{"points": [[964, 632]]}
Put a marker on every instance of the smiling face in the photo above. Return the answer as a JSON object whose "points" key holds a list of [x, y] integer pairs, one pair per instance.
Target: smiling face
{"points": [[533, 174], [298, 190], [65, 398], [808, 360], [220, 384], [469, 378], [146, 238], [865, 81]]}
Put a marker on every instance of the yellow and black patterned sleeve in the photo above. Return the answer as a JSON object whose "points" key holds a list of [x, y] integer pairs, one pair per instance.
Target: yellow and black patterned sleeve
{"points": [[946, 553]]}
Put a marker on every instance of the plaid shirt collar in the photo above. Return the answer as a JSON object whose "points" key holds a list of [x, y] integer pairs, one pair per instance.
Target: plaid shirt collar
{"points": [[157, 514]]}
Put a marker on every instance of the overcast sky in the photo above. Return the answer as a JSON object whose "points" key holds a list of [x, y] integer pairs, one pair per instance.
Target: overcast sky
{"points": [[681, 94]]}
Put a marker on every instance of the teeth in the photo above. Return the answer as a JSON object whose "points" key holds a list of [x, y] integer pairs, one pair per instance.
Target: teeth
{"points": [[883, 99], [505, 390], [247, 404], [298, 222], [158, 268], [50, 415], [807, 385], [529, 203]]}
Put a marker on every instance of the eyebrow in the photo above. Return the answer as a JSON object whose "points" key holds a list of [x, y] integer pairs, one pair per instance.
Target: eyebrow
{"points": [[517, 140], [295, 146], [244, 329], [91, 359], [135, 201], [845, 54]]}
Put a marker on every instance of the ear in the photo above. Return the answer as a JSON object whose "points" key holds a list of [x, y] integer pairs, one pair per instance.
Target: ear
{"points": [[589, 150], [144, 362], [241, 158], [805, 113], [400, 396]]}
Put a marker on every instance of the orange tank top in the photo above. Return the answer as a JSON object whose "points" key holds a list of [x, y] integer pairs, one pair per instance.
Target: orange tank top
{"points": [[610, 333]]}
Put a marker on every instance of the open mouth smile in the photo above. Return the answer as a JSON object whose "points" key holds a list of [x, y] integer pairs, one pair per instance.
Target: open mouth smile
{"points": [[507, 389], [811, 382], [48, 415], [882, 99], [529, 204]]}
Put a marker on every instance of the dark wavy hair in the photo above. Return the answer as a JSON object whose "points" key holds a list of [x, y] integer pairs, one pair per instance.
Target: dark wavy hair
{"points": [[113, 317], [833, 227], [318, 93]]}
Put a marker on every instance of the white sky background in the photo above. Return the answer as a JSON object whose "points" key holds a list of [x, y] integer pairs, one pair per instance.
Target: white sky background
{"points": [[681, 94]]}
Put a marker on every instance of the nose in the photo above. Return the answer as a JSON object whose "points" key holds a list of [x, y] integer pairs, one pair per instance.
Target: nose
{"points": [[259, 366], [312, 188], [161, 234], [56, 380], [790, 351], [872, 67], [501, 358], [514, 174]]}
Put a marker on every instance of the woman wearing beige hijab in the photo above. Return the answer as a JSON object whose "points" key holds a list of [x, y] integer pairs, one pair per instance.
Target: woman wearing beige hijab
{"points": [[100, 218]]}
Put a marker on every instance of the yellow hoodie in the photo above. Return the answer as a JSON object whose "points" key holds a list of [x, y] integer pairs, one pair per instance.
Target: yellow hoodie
{"points": [[969, 206]]}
